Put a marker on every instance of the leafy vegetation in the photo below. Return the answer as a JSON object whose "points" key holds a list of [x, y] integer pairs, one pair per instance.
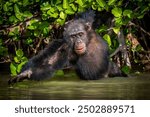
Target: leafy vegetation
{"points": [[18, 62], [26, 26]]}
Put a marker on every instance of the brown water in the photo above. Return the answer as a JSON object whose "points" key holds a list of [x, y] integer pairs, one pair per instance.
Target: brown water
{"points": [[70, 87]]}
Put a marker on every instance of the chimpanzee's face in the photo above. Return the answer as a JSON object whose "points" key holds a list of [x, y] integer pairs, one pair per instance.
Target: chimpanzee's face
{"points": [[75, 35]]}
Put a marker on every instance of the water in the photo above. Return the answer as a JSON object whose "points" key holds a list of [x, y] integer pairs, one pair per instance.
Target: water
{"points": [[70, 86]]}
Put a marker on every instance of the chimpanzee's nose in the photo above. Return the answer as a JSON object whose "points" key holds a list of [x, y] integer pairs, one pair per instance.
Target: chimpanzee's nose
{"points": [[79, 41]]}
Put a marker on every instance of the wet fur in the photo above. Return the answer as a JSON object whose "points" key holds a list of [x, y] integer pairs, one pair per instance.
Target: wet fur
{"points": [[44, 64], [93, 65]]}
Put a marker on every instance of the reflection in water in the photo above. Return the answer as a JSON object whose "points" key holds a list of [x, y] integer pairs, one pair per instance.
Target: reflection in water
{"points": [[70, 87]]}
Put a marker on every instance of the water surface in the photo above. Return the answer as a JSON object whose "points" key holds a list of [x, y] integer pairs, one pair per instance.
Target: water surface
{"points": [[70, 86]]}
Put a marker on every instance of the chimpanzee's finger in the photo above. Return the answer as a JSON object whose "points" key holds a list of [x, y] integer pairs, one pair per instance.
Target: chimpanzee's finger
{"points": [[11, 81]]}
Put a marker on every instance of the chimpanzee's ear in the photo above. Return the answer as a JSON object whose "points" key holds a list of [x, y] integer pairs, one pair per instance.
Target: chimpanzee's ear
{"points": [[88, 26]]}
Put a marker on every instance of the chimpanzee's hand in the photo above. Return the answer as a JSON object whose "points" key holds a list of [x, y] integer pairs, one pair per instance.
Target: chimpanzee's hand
{"points": [[14, 80], [22, 76]]}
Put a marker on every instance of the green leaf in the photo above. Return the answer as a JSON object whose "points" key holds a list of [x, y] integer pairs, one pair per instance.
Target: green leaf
{"points": [[140, 16], [33, 21], [24, 59], [25, 2], [52, 13], [111, 2], [55, 2], [11, 33], [117, 12], [45, 31], [116, 29], [126, 21], [80, 2], [33, 24], [60, 7], [81, 9], [19, 67], [16, 30], [52, 10], [43, 25], [62, 15], [65, 4], [12, 18], [45, 7], [16, 59], [36, 33], [60, 21], [94, 6], [13, 69], [59, 73], [31, 27], [108, 39], [19, 53], [16, 9], [19, 16], [119, 21], [126, 69], [144, 9], [139, 48], [3, 50], [5, 7], [29, 41], [127, 13], [73, 7], [27, 14], [69, 11], [70, 1], [101, 3], [17, 12], [102, 28]]}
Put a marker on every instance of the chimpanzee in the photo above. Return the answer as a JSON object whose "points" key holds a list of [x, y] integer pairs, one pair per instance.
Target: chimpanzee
{"points": [[81, 47]]}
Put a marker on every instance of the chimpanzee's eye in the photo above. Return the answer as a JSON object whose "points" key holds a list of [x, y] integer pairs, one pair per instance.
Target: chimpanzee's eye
{"points": [[73, 36], [81, 34]]}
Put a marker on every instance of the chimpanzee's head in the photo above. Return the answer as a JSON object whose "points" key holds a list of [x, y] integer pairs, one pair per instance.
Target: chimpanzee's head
{"points": [[76, 35]]}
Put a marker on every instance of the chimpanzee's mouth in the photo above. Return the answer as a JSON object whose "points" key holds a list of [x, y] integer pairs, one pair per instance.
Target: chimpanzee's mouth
{"points": [[79, 49]]}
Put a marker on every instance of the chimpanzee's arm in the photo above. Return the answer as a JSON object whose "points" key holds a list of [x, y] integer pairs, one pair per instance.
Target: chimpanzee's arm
{"points": [[43, 65]]}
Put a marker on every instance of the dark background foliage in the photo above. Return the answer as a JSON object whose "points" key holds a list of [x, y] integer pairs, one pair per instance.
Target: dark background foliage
{"points": [[27, 26]]}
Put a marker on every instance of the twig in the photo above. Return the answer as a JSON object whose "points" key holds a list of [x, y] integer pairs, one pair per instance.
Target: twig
{"points": [[8, 27], [5, 61], [38, 45], [133, 24]]}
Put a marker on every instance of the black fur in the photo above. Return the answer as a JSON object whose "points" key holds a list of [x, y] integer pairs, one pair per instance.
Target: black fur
{"points": [[91, 65], [41, 67], [94, 64]]}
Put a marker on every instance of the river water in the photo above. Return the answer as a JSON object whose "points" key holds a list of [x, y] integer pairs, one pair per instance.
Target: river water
{"points": [[71, 87]]}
